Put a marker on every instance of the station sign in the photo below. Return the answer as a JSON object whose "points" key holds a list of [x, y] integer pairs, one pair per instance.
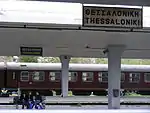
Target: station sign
{"points": [[31, 51], [94, 16]]}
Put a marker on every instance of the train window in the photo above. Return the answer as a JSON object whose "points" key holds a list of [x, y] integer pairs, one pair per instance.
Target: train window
{"points": [[103, 76], [24, 76], [147, 77], [54, 76], [38, 76], [13, 75], [73, 76], [134, 77], [87, 76], [122, 77]]}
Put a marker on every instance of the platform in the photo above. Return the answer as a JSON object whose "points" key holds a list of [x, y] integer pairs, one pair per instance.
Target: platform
{"points": [[84, 99], [97, 107], [94, 99]]}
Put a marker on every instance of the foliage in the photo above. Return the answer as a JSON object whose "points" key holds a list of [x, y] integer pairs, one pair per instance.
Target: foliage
{"points": [[82, 60], [132, 94], [136, 61], [101, 61], [70, 93], [72, 60], [28, 59], [77, 60], [49, 60]]}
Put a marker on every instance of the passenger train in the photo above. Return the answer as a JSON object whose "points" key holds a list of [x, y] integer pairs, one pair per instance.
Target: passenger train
{"points": [[83, 78]]}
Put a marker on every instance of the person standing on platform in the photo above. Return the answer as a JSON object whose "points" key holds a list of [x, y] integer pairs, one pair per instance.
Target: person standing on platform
{"points": [[38, 99], [24, 100], [30, 99]]}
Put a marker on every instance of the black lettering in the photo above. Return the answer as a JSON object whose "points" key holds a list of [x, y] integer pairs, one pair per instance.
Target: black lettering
{"points": [[108, 13], [93, 12], [123, 22], [127, 22], [92, 20], [125, 13], [131, 14], [139, 22], [131, 22], [103, 13], [136, 14], [114, 13], [134, 22], [98, 12], [87, 12], [102, 21], [97, 20], [107, 21], [117, 23], [119, 13], [86, 20], [112, 21]]}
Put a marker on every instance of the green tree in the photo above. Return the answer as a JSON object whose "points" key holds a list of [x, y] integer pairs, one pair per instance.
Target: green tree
{"points": [[74, 60], [28, 59], [125, 61], [145, 62], [83, 60], [49, 59], [131, 61], [101, 61]]}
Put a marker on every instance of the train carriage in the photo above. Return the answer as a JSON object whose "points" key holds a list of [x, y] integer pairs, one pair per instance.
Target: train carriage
{"points": [[2, 73], [83, 78]]}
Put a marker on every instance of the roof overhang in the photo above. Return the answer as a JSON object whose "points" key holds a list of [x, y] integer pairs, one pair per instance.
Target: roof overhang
{"points": [[106, 2], [21, 26], [58, 39]]}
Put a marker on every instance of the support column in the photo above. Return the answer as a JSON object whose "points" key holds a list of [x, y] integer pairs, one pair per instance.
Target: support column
{"points": [[64, 74], [114, 75]]}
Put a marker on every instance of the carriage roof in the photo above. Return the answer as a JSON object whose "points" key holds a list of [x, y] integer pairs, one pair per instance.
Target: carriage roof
{"points": [[74, 67]]}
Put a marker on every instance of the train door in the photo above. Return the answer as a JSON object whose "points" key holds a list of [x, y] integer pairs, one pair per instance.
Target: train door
{"points": [[11, 78], [23, 79]]}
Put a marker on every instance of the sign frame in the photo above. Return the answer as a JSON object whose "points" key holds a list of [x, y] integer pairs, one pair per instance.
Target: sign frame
{"points": [[111, 26], [29, 51]]}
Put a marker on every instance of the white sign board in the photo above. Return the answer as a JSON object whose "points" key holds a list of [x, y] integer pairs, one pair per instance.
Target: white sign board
{"points": [[112, 17]]}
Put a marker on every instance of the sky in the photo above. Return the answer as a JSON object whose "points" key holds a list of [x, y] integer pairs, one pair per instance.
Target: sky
{"points": [[49, 12]]}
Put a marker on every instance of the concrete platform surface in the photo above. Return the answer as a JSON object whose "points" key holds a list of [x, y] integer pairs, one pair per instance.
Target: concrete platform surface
{"points": [[83, 99], [93, 107], [93, 99]]}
